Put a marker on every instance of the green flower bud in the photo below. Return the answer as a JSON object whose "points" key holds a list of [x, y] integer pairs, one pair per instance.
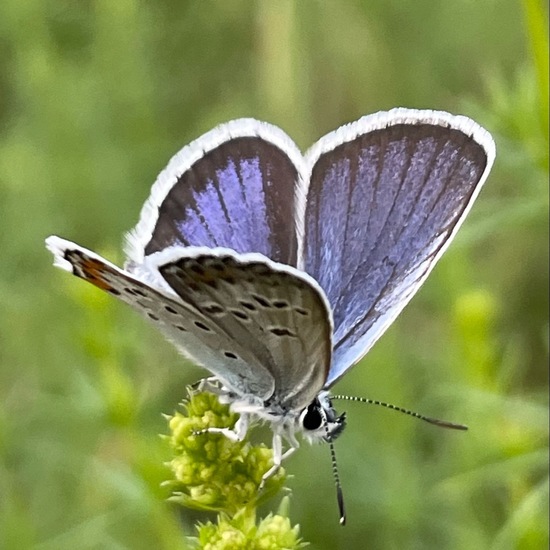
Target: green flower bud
{"points": [[272, 533], [211, 472]]}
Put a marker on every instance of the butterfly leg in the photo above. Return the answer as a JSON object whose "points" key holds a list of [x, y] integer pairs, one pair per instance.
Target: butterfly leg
{"points": [[214, 386], [236, 434], [210, 384], [278, 457]]}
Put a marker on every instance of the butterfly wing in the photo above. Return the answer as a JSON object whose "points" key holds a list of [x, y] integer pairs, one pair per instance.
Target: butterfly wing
{"points": [[262, 328], [233, 187], [278, 312], [386, 196]]}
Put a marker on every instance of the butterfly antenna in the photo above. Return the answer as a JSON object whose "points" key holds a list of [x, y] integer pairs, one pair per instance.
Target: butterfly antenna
{"points": [[435, 421], [335, 474]]}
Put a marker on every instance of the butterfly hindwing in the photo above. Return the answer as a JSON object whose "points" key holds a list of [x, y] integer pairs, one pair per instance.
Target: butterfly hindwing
{"points": [[281, 314]]}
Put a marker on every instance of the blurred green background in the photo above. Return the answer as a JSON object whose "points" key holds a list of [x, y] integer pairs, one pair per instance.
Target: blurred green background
{"points": [[96, 96]]}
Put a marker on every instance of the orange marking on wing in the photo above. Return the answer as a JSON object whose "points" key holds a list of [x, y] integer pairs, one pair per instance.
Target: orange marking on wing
{"points": [[93, 271]]}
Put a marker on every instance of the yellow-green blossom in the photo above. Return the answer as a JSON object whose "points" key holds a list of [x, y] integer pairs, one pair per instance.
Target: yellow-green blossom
{"points": [[211, 472], [242, 532]]}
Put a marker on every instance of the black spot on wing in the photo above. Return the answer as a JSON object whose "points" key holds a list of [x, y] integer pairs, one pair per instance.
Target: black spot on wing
{"points": [[281, 331], [202, 326], [240, 314], [213, 309], [261, 300]]}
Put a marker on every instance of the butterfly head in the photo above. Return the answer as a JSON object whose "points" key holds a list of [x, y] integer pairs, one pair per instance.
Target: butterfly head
{"points": [[320, 421]]}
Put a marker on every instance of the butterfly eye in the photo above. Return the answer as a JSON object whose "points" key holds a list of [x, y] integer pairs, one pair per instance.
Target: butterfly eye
{"points": [[312, 419]]}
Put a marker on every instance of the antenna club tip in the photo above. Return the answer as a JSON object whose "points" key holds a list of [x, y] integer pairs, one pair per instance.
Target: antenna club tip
{"points": [[340, 497], [452, 426]]}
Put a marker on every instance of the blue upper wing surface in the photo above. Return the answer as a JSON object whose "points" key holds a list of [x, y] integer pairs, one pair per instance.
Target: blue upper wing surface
{"points": [[384, 201], [234, 187]]}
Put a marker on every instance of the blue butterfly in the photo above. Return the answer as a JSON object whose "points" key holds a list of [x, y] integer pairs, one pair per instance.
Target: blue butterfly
{"points": [[278, 271]]}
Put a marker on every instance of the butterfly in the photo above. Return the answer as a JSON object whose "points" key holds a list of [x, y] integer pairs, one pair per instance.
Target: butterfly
{"points": [[276, 271]]}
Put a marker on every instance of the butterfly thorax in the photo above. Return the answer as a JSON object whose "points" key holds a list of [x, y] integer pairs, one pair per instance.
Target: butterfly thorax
{"points": [[317, 422]]}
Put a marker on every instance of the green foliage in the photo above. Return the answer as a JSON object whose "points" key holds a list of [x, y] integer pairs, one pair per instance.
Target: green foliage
{"points": [[95, 98]]}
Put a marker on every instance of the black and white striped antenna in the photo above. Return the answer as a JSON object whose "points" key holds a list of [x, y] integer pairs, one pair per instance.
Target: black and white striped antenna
{"points": [[434, 421], [335, 474]]}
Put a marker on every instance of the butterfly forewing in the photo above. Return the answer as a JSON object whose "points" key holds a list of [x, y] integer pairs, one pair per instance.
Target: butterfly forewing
{"points": [[279, 313], [193, 332], [381, 207], [234, 187]]}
